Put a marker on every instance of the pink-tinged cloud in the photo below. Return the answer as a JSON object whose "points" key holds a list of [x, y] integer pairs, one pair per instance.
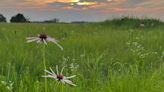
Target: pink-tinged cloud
{"points": [[91, 8], [52, 1]]}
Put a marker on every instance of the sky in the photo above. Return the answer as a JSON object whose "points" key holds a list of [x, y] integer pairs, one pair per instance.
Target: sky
{"points": [[82, 10]]}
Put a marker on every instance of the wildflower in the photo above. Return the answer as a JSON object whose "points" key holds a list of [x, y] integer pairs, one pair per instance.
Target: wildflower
{"points": [[43, 38], [8, 84], [74, 66], [59, 77], [163, 53], [142, 25]]}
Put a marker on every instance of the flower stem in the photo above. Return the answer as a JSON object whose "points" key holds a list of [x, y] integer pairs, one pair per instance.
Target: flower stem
{"points": [[44, 63], [56, 87], [62, 88]]}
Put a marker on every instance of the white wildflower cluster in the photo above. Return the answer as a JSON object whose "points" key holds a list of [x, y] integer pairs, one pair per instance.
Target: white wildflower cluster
{"points": [[138, 49], [74, 66], [65, 59], [142, 25], [8, 85], [163, 53], [162, 56]]}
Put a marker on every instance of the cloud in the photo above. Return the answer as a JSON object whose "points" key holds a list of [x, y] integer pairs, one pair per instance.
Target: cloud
{"points": [[93, 0], [89, 8], [80, 4], [152, 4]]}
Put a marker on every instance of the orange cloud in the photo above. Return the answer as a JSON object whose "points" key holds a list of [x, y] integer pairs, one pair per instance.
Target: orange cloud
{"points": [[98, 5], [86, 3], [52, 1], [62, 1]]}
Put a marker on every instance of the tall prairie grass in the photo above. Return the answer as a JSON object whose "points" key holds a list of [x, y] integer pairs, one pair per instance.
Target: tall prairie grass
{"points": [[106, 57]]}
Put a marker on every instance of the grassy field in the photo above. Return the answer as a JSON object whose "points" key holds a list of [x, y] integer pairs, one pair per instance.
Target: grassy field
{"points": [[105, 57]]}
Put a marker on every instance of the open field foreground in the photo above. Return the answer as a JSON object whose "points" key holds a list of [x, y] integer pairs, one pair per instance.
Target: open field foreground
{"points": [[104, 58]]}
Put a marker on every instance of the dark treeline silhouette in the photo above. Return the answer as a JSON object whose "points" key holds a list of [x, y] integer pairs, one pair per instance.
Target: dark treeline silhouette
{"points": [[79, 22], [19, 18], [55, 20], [130, 21], [2, 18]]}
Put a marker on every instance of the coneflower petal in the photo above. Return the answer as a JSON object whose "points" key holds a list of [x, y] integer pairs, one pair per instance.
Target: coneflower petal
{"points": [[62, 70], [63, 81], [57, 71], [32, 40], [70, 77], [49, 76], [39, 41], [52, 71], [55, 42], [48, 71], [58, 45], [28, 38], [44, 41], [70, 82]]}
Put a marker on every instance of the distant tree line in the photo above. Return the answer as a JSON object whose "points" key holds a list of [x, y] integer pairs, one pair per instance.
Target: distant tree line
{"points": [[2, 18], [20, 18], [133, 21]]}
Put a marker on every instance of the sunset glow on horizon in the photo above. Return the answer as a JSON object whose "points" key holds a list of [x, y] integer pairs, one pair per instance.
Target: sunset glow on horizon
{"points": [[91, 10]]}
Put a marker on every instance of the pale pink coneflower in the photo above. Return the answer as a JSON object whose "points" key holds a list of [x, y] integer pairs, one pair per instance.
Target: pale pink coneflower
{"points": [[59, 76], [43, 38]]}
